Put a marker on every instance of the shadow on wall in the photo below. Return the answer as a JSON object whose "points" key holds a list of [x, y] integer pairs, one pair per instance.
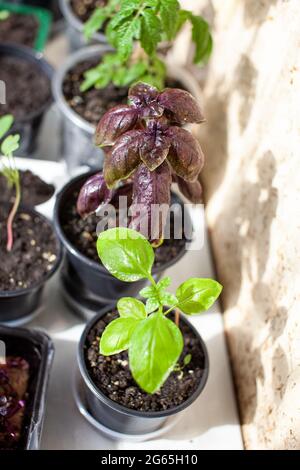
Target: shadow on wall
{"points": [[248, 373], [215, 141], [252, 207], [256, 11], [245, 83]]}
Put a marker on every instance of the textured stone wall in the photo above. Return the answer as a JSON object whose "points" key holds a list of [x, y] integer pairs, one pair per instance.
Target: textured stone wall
{"points": [[252, 188]]}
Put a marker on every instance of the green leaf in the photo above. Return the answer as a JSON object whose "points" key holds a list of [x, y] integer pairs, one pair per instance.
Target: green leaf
{"points": [[187, 359], [154, 349], [167, 299], [128, 307], [149, 291], [202, 38], [10, 144], [164, 283], [4, 14], [183, 16], [127, 32], [6, 122], [196, 295], [126, 254], [150, 32], [95, 22], [169, 10], [152, 304], [116, 336]]}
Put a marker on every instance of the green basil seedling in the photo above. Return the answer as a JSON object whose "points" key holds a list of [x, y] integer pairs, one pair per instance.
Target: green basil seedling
{"points": [[154, 342]]}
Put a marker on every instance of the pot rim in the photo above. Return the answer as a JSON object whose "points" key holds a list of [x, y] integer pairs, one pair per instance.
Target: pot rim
{"points": [[75, 22], [59, 76], [39, 284], [31, 55], [81, 257], [121, 408]]}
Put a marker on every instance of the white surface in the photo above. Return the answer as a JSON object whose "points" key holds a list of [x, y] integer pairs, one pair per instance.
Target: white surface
{"points": [[210, 423]]}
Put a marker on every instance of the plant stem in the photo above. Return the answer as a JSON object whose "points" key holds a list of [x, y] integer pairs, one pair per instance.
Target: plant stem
{"points": [[176, 317], [10, 220]]}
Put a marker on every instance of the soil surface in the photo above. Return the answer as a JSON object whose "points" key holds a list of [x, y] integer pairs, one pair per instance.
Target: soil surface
{"points": [[34, 252], [82, 234], [34, 190], [112, 375], [27, 88], [83, 9], [91, 104], [19, 29]]}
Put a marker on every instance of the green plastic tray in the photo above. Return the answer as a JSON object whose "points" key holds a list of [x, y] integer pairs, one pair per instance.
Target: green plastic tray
{"points": [[44, 18]]}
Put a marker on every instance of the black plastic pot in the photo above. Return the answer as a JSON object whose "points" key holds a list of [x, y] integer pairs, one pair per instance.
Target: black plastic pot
{"points": [[117, 417], [88, 285], [18, 306], [37, 348], [29, 126]]}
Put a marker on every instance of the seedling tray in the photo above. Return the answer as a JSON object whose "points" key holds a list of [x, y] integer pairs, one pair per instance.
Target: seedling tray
{"points": [[210, 423]]}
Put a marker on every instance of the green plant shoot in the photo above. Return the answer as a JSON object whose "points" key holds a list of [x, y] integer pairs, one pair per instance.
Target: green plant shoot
{"points": [[8, 168], [136, 29], [154, 342], [4, 14]]}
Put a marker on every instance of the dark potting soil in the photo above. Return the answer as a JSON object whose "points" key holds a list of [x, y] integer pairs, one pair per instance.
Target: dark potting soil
{"points": [[27, 88], [112, 375], [19, 29], [34, 251], [93, 103], [34, 190], [83, 9], [82, 234]]}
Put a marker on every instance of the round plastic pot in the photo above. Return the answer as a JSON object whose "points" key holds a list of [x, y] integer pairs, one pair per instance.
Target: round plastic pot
{"points": [[38, 350], [89, 279], [75, 28], [117, 417], [29, 126], [17, 305], [77, 147]]}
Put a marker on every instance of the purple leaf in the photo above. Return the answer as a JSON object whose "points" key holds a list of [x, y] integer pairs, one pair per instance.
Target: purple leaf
{"points": [[124, 157], [151, 201], [144, 98], [114, 123], [122, 191], [155, 146], [185, 156], [181, 104], [93, 193], [192, 191]]}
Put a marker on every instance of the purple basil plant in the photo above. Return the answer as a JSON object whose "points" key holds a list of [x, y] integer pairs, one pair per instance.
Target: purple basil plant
{"points": [[146, 148]]}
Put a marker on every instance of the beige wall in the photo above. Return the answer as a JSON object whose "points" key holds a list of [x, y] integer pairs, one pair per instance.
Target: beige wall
{"points": [[252, 183]]}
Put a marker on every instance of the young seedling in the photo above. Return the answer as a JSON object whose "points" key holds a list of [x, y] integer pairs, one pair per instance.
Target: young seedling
{"points": [[8, 168], [4, 14], [146, 147], [136, 29], [154, 342]]}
